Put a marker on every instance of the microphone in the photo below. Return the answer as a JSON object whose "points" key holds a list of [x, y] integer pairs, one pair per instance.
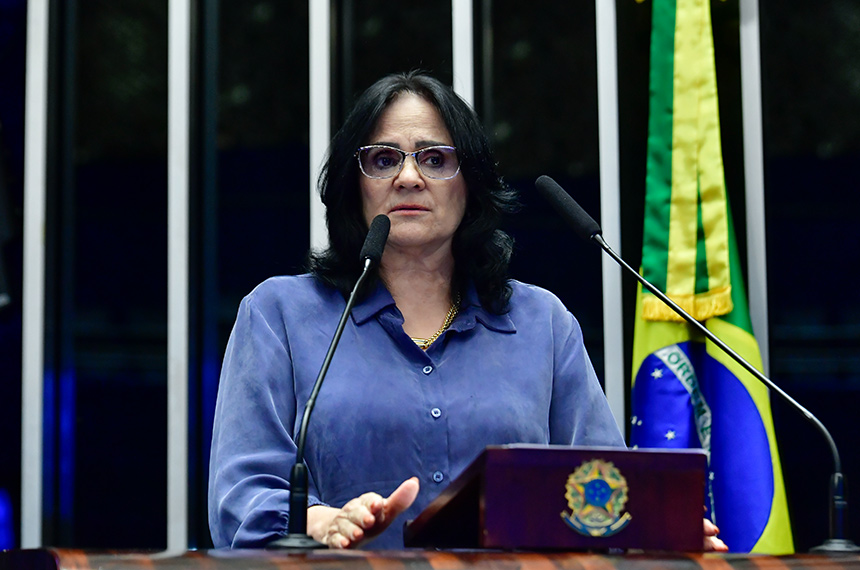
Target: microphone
{"points": [[589, 230], [374, 243], [297, 537], [583, 224]]}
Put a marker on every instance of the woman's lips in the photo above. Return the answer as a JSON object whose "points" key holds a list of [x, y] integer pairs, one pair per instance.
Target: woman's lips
{"points": [[408, 208]]}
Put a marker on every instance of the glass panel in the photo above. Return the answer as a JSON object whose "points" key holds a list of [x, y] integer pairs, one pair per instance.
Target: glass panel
{"points": [[12, 54], [106, 347], [812, 147], [539, 103], [251, 209], [263, 172], [376, 39]]}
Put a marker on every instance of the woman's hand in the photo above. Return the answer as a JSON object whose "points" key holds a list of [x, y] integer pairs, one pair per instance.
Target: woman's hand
{"points": [[361, 518], [712, 543]]}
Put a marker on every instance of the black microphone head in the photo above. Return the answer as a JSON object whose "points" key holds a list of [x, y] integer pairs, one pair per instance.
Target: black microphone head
{"points": [[583, 224], [374, 243]]}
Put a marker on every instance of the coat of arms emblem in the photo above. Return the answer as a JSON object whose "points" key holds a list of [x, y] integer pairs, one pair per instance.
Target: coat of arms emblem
{"points": [[596, 494]]}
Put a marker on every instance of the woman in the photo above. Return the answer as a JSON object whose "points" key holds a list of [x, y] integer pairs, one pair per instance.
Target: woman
{"points": [[441, 357]]}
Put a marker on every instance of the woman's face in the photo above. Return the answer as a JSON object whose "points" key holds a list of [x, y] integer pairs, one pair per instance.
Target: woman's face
{"points": [[424, 212]]}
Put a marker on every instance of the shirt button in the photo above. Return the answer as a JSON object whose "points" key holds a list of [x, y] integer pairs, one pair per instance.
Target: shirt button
{"points": [[427, 369], [438, 476], [435, 412]]}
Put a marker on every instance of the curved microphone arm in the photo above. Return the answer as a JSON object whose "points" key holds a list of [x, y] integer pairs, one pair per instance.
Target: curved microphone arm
{"points": [[597, 238], [838, 505], [589, 230]]}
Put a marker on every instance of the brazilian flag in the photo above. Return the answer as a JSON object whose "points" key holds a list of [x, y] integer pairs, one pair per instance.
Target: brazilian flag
{"points": [[686, 392]]}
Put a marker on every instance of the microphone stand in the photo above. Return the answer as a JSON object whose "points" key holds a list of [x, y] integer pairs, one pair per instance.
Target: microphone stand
{"points": [[836, 543], [297, 537]]}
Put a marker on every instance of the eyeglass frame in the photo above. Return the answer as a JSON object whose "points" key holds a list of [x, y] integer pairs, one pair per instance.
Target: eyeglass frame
{"points": [[414, 154]]}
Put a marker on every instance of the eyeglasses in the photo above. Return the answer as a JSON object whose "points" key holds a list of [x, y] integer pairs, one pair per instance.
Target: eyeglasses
{"points": [[380, 161]]}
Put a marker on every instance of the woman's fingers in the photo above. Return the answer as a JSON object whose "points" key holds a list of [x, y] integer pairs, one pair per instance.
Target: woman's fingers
{"points": [[350, 523], [400, 500], [336, 541], [710, 528], [712, 543], [368, 515]]}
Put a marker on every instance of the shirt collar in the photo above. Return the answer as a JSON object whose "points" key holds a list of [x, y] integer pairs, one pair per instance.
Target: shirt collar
{"points": [[374, 303], [471, 311]]}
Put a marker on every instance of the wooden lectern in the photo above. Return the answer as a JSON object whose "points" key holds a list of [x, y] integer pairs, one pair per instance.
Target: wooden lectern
{"points": [[526, 497]]}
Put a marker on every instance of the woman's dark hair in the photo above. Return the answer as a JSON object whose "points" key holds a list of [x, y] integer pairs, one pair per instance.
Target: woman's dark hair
{"points": [[481, 250]]}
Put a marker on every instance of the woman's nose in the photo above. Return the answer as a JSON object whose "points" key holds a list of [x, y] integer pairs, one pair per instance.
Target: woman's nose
{"points": [[410, 176]]}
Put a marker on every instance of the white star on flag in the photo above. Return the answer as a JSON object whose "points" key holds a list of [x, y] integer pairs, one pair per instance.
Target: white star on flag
{"points": [[658, 373], [670, 435]]}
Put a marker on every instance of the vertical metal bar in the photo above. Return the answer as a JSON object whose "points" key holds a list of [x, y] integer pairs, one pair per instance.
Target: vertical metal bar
{"points": [[178, 129], [33, 328], [487, 107], [610, 206], [754, 174], [462, 31], [319, 14]]}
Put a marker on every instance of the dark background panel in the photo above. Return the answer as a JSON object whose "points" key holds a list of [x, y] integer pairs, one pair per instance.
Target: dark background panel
{"points": [[537, 95], [376, 38], [13, 19], [106, 274], [812, 146]]}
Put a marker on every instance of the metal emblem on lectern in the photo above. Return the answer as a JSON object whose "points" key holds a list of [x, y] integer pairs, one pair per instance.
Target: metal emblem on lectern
{"points": [[596, 494]]}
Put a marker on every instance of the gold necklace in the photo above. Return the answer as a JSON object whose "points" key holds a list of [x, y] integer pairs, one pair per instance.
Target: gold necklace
{"points": [[424, 343]]}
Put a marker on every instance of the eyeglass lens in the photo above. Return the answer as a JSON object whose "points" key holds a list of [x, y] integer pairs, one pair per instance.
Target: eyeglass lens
{"points": [[385, 162]]}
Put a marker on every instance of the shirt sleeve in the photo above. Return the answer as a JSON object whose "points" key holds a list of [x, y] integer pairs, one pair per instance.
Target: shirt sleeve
{"points": [[579, 413], [252, 445]]}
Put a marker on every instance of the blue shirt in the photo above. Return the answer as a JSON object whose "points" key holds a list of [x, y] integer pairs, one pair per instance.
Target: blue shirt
{"points": [[387, 410]]}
